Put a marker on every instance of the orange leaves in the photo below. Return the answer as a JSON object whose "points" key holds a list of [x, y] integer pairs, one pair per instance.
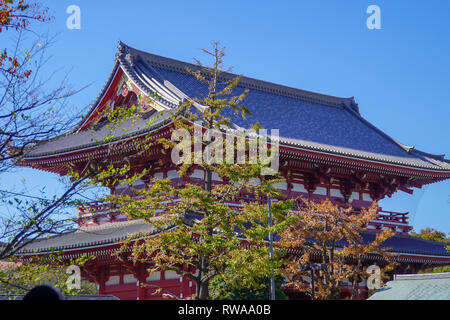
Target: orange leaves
{"points": [[330, 236], [18, 15]]}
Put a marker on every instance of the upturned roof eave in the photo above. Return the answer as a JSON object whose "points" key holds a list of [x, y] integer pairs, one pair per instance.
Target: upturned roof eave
{"points": [[348, 155], [125, 60], [109, 244], [120, 63]]}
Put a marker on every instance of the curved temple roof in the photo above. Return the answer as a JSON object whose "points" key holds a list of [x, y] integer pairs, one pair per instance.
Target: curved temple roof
{"points": [[91, 236], [114, 233], [305, 120]]}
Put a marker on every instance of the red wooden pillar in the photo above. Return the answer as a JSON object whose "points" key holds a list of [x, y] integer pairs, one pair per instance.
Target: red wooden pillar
{"points": [[97, 274], [101, 287], [186, 287], [141, 275]]}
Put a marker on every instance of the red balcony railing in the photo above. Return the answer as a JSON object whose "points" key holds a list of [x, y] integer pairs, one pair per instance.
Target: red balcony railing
{"points": [[396, 221], [95, 212]]}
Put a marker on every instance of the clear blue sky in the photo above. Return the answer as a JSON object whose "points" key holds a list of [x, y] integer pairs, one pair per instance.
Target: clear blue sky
{"points": [[399, 75]]}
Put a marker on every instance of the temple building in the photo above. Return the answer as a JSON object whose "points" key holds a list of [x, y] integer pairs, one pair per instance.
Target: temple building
{"points": [[327, 150]]}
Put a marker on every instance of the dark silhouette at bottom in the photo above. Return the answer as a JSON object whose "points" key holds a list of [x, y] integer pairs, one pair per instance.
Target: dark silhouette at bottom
{"points": [[43, 293]]}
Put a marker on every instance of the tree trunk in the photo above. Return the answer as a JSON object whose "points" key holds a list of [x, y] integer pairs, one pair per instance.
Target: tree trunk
{"points": [[354, 288], [208, 181], [202, 290]]}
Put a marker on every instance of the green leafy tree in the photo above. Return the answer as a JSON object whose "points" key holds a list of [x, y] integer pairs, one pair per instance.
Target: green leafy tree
{"points": [[436, 269], [200, 234], [225, 287], [17, 278], [434, 235], [431, 234], [33, 107]]}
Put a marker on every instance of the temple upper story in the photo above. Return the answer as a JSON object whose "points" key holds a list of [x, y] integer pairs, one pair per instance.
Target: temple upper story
{"points": [[321, 126], [327, 149]]}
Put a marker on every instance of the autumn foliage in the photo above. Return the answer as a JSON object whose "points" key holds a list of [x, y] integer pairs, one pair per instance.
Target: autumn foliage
{"points": [[18, 15], [330, 237]]}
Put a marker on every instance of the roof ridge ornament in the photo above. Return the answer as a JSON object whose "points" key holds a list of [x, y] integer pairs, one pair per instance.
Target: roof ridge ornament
{"points": [[411, 149], [120, 45], [404, 146], [434, 156], [122, 49]]}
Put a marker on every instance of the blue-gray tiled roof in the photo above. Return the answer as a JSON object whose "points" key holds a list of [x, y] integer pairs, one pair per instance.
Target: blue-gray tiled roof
{"points": [[409, 244], [305, 119], [331, 125], [111, 233]]}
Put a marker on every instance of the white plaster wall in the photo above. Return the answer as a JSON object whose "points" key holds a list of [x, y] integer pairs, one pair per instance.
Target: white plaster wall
{"points": [[321, 191], [168, 275], [155, 276], [336, 193], [129, 278], [113, 280], [297, 187]]}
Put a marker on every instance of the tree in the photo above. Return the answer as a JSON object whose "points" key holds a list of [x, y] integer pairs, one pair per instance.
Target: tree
{"points": [[436, 269], [329, 237], [431, 234], [30, 110], [19, 277], [18, 15], [434, 235], [224, 287], [200, 234]]}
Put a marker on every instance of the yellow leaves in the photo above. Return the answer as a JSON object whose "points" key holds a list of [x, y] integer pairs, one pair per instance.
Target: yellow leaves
{"points": [[431, 234], [332, 235]]}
